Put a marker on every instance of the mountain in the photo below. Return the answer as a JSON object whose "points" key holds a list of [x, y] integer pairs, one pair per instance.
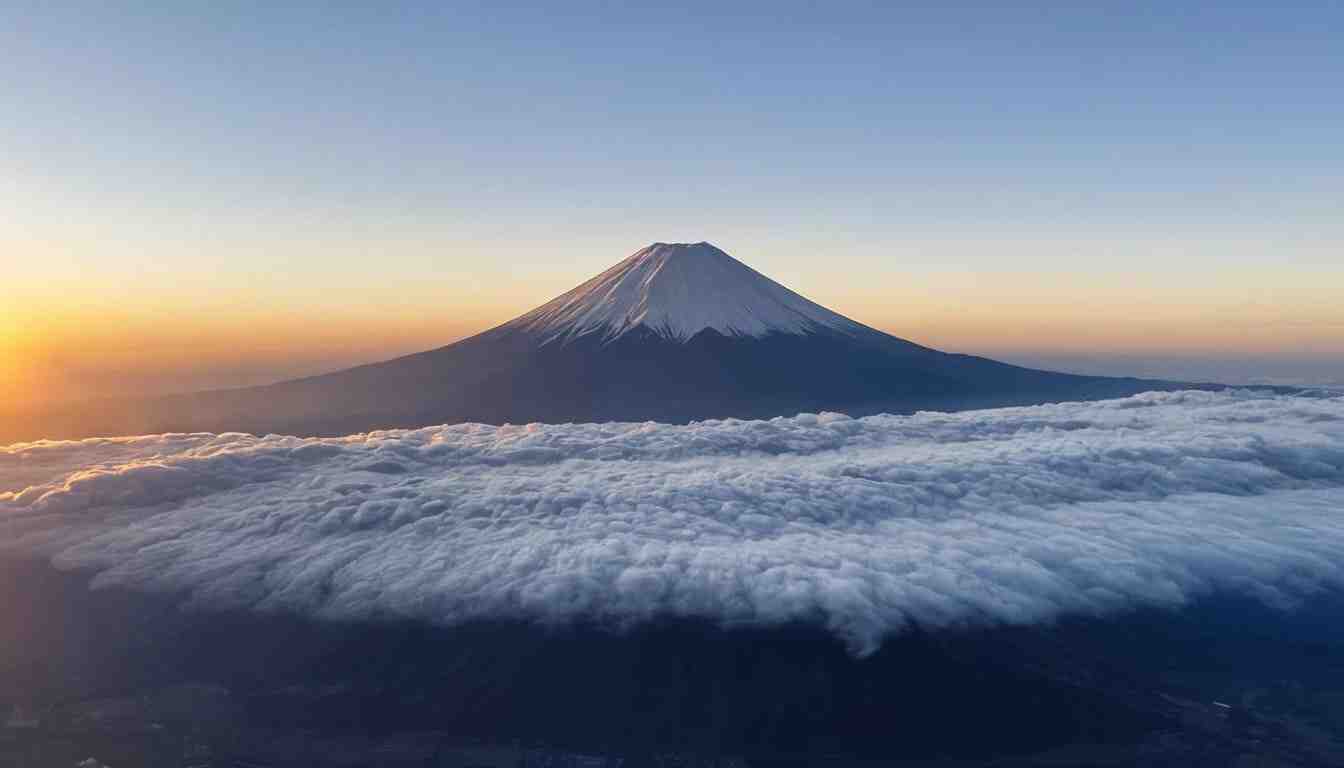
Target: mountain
{"points": [[676, 332], [676, 291]]}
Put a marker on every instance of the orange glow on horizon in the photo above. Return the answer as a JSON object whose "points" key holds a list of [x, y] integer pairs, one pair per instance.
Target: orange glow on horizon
{"points": [[85, 354], [82, 340]]}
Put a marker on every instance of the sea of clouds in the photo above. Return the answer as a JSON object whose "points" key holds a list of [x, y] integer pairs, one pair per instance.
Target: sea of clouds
{"points": [[1014, 515]]}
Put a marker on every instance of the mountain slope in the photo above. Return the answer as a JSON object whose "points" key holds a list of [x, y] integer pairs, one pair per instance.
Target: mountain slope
{"points": [[676, 291], [675, 332]]}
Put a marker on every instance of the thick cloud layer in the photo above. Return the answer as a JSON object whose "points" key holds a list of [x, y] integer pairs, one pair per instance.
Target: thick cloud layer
{"points": [[1013, 515]]}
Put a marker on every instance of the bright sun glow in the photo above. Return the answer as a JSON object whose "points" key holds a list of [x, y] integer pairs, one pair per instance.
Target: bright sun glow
{"points": [[15, 371]]}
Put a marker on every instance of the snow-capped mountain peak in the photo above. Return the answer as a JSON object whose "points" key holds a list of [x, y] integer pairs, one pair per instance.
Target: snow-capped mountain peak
{"points": [[677, 290]]}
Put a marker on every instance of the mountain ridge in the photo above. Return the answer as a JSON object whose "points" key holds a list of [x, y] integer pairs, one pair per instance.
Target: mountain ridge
{"points": [[674, 333], [678, 290]]}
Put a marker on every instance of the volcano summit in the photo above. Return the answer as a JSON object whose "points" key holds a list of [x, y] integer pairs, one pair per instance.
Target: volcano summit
{"points": [[675, 333], [677, 291]]}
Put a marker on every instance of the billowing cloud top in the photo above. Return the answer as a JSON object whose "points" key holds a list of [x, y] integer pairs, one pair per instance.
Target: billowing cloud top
{"points": [[866, 525]]}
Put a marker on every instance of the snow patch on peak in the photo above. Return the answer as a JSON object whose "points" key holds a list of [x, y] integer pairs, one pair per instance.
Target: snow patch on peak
{"points": [[677, 290]]}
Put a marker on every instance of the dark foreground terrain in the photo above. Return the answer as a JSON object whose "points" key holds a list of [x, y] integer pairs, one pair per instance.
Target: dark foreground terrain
{"points": [[130, 680]]}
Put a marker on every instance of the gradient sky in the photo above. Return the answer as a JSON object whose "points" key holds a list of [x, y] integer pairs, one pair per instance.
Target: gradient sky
{"points": [[200, 195]]}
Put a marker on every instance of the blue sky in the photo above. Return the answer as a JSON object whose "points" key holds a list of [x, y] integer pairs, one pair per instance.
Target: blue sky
{"points": [[464, 161]]}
